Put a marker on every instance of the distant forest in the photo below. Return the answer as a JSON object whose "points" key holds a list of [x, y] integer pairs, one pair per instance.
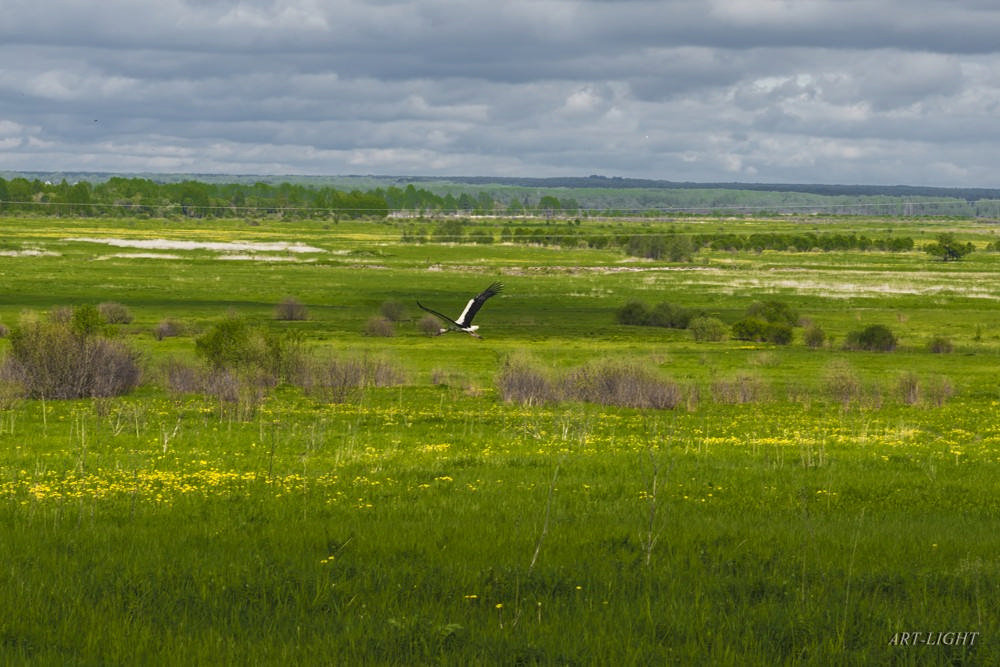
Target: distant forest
{"points": [[210, 195]]}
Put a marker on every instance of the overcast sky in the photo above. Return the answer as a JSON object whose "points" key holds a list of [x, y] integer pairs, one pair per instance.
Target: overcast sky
{"points": [[817, 91]]}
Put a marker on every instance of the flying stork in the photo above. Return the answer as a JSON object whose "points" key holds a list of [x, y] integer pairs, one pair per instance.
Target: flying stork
{"points": [[464, 321]]}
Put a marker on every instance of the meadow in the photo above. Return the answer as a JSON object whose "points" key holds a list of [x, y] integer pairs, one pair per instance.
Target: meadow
{"points": [[770, 517]]}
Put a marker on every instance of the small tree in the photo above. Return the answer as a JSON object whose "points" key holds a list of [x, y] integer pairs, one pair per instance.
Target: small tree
{"points": [[948, 248]]}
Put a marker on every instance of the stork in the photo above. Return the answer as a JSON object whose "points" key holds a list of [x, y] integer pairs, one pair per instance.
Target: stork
{"points": [[464, 321]]}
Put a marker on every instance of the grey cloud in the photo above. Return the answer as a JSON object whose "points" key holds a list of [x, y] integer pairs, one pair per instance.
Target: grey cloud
{"points": [[824, 90]]}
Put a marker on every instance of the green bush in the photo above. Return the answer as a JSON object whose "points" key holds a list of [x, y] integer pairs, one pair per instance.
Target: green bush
{"points": [[670, 316], [874, 338], [756, 329], [707, 329], [235, 345], [773, 311], [750, 328], [633, 313]]}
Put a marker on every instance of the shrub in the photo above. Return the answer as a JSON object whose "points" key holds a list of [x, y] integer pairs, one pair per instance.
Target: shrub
{"points": [[773, 311], [85, 320], [380, 327], [522, 380], [622, 384], [938, 390], [779, 333], [291, 309], [182, 378], [842, 383], [230, 342], [114, 313], [70, 358], [633, 313], [908, 388], [814, 336], [167, 328], [940, 345], [339, 380], [741, 389], [429, 325], [707, 329], [875, 338], [750, 328], [948, 248], [235, 345], [670, 316]]}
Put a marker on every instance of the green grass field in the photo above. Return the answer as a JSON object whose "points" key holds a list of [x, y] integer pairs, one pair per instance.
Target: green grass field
{"points": [[430, 522]]}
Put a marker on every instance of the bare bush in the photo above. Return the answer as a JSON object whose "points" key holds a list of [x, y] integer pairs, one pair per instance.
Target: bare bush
{"points": [[842, 383], [908, 388], [741, 389], [62, 358], [522, 380], [623, 384], [291, 309], [380, 327], [938, 390], [429, 325], [183, 378], [114, 312], [340, 380], [168, 328]]}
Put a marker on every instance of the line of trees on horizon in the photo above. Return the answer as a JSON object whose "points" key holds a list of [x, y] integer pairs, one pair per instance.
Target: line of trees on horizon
{"points": [[121, 196]]}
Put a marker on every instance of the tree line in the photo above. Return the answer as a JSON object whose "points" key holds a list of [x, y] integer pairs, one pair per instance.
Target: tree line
{"points": [[120, 197], [668, 245]]}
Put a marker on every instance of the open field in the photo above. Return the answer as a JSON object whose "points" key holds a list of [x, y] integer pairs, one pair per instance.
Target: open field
{"points": [[770, 517]]}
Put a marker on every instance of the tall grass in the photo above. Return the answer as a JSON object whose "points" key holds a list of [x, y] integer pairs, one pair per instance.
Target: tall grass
{"points": [[325, 497]]}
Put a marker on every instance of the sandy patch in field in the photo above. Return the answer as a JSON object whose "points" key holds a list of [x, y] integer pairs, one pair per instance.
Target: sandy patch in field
{"points": [[847, 290], [602, 270], [28, 252], [218, 246], [140, 255], [263, 258]]}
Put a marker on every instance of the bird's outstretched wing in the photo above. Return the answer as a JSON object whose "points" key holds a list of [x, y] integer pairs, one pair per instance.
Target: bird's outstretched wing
{"points": [[471, 308], [443, 317]]}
